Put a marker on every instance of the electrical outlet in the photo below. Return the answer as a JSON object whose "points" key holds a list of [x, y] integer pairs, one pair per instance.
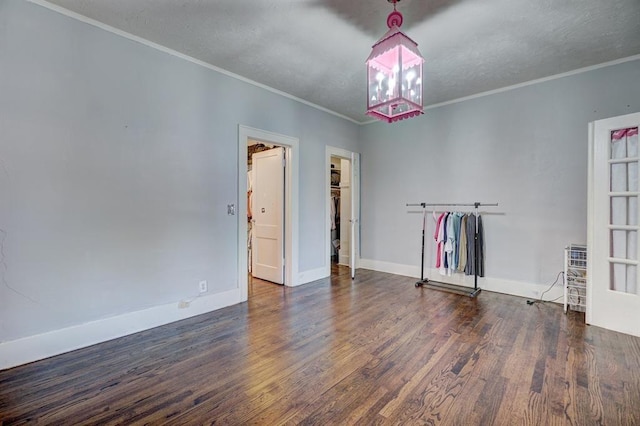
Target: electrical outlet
{"points": [[203, 286]]}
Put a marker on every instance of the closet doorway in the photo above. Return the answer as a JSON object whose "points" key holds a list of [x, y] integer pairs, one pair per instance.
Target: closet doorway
{"points": [[343, 208], [287, 228]]}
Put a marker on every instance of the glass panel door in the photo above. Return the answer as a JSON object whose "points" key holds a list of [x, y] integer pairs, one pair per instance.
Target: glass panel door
{"points": [[623, 209], [613, 293]]}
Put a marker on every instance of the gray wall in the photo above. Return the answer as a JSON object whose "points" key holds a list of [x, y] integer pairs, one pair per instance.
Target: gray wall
{"points": [[524, 148], [117, 162]]}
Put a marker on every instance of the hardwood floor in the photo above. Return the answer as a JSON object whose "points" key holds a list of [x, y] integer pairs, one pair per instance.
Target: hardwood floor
{"points": [[373, 351]]}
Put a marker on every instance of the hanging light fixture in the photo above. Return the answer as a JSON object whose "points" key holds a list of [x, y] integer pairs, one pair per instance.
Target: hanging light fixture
{"points": [[394, 74]]}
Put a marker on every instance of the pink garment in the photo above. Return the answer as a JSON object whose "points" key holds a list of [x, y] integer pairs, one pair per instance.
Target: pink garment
{"points": [[437, 235]]}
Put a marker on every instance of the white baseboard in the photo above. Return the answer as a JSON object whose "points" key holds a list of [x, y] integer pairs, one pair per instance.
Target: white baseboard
{"points": [[313, 275], [34, 348], [497, 285], [41, 346], [389, 267]]}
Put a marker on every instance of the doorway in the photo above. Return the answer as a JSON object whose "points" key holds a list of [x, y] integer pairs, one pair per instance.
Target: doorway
{"points": [[342, 208], [291, 145], [340, 211], [265, 213]]}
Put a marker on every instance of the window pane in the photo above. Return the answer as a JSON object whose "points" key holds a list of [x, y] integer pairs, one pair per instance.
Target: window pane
{"points": [[624, 210], [618, 277], [632, 142], [618, 146], [623, 278], [624, 244], [633, 177], [619, 177]]}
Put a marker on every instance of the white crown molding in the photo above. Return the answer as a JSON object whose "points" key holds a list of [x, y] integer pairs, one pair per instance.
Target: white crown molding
{"points": [[172, 52], [177, 54]]}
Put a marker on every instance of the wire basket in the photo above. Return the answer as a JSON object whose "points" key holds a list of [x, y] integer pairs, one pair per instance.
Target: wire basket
{"points": [[577, 256], [577, 298]]}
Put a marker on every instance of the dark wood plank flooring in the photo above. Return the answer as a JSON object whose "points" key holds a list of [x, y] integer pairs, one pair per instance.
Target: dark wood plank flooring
{"points": [[373, 351]]}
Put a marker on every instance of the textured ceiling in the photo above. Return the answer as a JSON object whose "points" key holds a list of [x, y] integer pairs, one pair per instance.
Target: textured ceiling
{"points": [[315, 49]]}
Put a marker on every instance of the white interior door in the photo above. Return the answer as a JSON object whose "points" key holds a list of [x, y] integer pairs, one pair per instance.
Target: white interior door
{"points": [[267, 260], [613, 298], [355, 212], [344, 255]]}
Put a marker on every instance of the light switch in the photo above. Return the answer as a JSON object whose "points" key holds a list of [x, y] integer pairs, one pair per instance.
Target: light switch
{"points": [[231, 209]]}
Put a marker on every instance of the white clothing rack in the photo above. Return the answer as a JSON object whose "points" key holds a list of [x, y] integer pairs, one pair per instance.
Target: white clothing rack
{"points": [[438, 285]]}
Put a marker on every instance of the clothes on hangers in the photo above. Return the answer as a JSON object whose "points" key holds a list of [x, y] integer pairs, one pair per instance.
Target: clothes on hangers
{"points": [[454, 235], [471, 236], [444, 236], [474, 261], [335, 211], [335, 222], [449, 244], [249, 193], [480, 247], [439, 237], [462, 245], [457, 217]]}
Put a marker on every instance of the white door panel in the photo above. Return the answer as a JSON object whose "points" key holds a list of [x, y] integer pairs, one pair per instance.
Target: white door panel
{"points": [[268, 215], [355, 212], [344, 255], [613, 300]]}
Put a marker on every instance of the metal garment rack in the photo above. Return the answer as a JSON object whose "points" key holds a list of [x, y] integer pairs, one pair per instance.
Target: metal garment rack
{"points": [[438, 285]]}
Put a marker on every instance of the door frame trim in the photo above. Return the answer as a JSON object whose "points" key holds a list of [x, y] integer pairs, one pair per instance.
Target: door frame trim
{"points": [[590, 223], [291, 221]]}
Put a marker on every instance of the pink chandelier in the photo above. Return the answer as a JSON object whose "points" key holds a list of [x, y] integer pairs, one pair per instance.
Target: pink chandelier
{"points": [[394, 74]]}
